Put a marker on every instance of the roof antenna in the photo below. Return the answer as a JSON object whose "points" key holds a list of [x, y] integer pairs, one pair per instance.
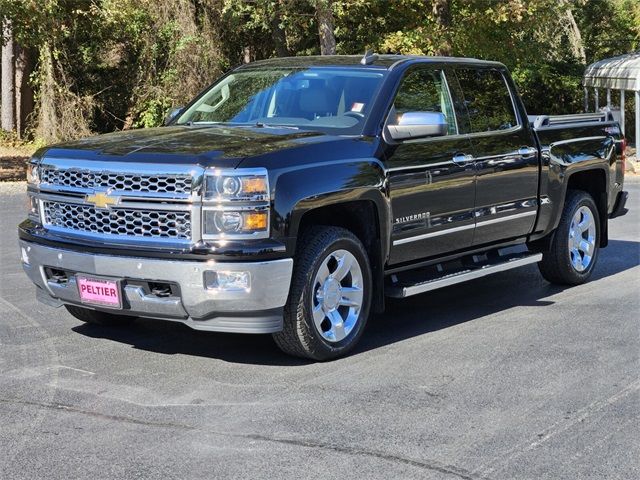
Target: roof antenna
{"points": [[368, 58]]}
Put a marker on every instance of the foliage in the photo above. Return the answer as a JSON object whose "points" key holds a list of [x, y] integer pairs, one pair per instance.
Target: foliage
{"points": [[550, 88], [608, 28], [102, 65]]}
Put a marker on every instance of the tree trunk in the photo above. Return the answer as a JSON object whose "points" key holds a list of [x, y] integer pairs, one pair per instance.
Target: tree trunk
{"points": [[24, 92], [278, 35], [47, 117], [575, 37], [442, 14], [324, 14], [8, 80]]}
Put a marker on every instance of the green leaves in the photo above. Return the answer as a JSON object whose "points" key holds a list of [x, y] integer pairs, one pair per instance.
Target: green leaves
{"points": [[127, 62]]}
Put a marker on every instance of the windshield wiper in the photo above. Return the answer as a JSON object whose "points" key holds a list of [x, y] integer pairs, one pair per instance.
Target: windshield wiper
{"points": [[191, 123], [274, 125]]}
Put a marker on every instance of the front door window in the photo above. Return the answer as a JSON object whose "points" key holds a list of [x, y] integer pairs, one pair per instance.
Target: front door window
{"points": [[424, 90]]}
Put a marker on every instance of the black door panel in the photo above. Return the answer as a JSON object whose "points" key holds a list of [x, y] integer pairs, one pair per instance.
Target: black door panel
{"points": [[506, 156], [432, 199], [506, 186], [432, 195]]}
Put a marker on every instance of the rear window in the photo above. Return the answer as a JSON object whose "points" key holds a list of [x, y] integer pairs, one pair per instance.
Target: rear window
{"points": [[487, 99]]}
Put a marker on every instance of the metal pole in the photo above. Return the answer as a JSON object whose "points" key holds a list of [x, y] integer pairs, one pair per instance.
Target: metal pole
{"points": [[637, 139], [609, 97], [586, 100], [622, 111], [597, 99]]}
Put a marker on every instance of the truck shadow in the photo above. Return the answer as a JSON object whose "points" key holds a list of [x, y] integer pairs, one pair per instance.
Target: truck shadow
{"points": [[403, 319]]}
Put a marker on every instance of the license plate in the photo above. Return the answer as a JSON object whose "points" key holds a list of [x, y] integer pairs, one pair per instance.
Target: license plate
{"points": [[96, 291]]}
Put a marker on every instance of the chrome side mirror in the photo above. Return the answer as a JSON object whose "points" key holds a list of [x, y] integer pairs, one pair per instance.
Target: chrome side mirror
{"points": [[418, 125], [172, 115]]}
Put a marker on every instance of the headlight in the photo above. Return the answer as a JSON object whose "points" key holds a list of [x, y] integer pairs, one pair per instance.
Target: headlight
{"points": [[33, 180], [229, 223], [33, 173], [249, 185], [235, 204], [34, 209]]}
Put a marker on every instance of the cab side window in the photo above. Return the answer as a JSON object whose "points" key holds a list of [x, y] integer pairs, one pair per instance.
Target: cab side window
{"points": [[424, 90], [487, 99]]}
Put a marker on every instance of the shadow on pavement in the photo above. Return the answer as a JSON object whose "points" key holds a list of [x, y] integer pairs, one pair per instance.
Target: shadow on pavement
{"points": [[403, 319]]}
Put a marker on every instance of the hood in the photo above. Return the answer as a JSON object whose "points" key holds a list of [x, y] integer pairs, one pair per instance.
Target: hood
{"points": [[208, 146]]}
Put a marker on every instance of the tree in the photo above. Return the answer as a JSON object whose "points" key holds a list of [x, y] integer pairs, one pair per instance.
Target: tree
{"points": [[573, 33], [608, 27], [324, 15], [278, 34], [24, 93], [8, 79], [442, 14], [104, 65]]}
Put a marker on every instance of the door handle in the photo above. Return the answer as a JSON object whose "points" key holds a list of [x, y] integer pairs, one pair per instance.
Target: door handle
{"points": [[527, 151], [462, 158]]}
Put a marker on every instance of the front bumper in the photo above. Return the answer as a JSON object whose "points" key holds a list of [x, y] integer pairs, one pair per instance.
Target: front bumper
{"points": [[255, 310]]}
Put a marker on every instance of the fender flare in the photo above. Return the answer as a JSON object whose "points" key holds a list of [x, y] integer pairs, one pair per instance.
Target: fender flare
{"points": [[301, 190]]}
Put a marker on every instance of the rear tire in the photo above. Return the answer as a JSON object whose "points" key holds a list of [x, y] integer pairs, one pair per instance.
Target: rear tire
{"points": [[573, 252], [330, 295], [96, 317]]}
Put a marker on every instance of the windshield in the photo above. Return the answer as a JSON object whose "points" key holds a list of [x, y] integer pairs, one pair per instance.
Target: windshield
{"points": [[332, 100]]}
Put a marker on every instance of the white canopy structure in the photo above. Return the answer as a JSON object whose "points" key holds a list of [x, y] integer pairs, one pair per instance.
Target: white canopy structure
{"points": [[617, 73]]}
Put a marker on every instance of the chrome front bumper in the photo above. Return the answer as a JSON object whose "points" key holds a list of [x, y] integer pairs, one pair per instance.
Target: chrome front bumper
{"points": [[255, 310]]}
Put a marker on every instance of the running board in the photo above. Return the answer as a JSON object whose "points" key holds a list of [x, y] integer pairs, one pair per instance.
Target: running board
{"points": [[400, 289]]}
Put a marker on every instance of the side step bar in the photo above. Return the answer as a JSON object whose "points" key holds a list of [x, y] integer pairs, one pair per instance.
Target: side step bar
{"points": [[400, 290]]}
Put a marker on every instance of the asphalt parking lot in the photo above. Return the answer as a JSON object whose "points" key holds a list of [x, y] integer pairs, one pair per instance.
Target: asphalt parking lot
{"points": [[506, 377]]}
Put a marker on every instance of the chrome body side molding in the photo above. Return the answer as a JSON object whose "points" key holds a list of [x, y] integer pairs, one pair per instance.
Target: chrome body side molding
{"points": [[480, 223]]}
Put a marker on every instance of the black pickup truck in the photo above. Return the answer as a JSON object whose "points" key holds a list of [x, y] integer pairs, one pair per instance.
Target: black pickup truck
{"points": [[295, 194]]}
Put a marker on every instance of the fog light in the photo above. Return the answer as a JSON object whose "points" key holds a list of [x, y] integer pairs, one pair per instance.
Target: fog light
{"points": [[227, 281]]}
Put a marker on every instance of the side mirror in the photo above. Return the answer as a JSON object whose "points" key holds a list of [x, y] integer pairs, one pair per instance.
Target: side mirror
{"points": [[172, 115], [419, 124]]}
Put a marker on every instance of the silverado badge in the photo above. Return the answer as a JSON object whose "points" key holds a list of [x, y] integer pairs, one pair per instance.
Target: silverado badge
{"points": [[415, 217]]}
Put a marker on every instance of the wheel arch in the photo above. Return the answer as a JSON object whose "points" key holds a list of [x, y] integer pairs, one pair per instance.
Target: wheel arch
{"points": [[594, 181], [362, 217], [311, 191], [346, 193]]}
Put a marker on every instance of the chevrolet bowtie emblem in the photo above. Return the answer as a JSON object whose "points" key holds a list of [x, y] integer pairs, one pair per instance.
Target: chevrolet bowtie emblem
{"points": [[102, 200]]}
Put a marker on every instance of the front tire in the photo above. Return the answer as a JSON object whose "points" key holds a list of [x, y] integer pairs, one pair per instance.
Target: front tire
{"points": [[330, 295], [573, 252], [96, 317]]}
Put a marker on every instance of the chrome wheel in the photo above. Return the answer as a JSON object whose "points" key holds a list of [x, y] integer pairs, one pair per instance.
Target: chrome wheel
{"points": [[337, 295], [582, 238]]}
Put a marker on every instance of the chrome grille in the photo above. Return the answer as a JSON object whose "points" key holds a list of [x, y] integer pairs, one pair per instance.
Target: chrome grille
{"points": [[132, 182], [152, 224]]}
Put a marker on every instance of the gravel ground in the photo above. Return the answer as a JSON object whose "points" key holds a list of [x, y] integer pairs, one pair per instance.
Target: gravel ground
{"points": [[505, 377], [12, 188]]}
